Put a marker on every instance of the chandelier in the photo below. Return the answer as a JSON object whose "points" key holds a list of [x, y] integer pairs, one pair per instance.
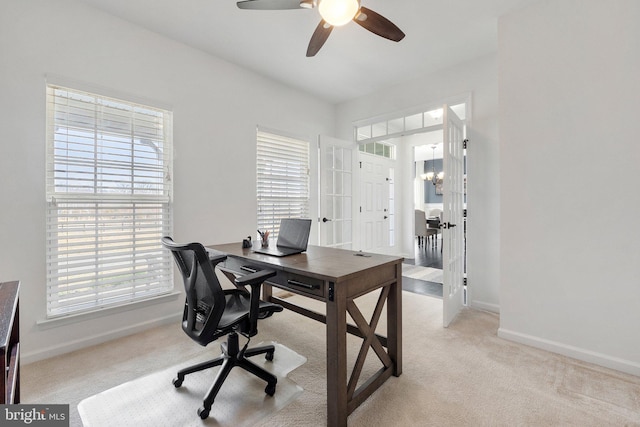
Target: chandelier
{"points": [[435, 178]]}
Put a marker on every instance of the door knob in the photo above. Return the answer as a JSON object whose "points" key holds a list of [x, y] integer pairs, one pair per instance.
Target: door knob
{"points": [[325, 219]]}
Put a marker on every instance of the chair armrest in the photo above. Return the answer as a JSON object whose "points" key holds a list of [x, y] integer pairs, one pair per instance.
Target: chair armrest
{"points": [[254, 280], [216, 259]]}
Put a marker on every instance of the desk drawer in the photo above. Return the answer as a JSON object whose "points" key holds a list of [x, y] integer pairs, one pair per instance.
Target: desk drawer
{"points": [[295, 283], [298, 284]]}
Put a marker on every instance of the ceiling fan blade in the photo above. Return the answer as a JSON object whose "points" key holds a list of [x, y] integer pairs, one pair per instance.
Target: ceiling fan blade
{"points": [[320, 35], [274, 4], [378, 24]]}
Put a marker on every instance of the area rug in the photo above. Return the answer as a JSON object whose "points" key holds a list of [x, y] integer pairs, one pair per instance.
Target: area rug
{"points": [[422, 273], [154, 401]]}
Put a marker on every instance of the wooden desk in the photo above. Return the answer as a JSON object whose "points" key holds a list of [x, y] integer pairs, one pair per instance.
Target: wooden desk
{"points": [[337, 277]]}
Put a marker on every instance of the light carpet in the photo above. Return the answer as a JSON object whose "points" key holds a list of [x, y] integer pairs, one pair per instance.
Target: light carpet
{"points": [[153, 401], [463, 375], [422, 273]]}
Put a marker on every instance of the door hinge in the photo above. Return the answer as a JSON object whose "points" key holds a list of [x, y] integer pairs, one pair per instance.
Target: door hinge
{"points": [[464, 281], [464, 143], [360, 165]]}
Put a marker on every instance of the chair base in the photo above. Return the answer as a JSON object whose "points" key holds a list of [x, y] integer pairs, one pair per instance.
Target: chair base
{"points": [[231, 356]]}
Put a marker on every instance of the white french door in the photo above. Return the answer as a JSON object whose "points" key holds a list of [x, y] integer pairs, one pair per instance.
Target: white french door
{"points": [[335, 219], [376, 214], [453, 227]]}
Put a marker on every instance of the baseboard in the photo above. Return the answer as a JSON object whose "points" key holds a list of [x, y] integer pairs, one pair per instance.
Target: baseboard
{"points": [[485, 306], [600, 359], [67, 347]]}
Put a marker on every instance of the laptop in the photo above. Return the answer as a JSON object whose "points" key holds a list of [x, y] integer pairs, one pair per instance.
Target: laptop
{"points": [[292, 238]]}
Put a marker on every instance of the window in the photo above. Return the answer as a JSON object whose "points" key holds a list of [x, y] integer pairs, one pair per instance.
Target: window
{"points": [[408, 122], [108, 201], [283, 180], [379, 149]]}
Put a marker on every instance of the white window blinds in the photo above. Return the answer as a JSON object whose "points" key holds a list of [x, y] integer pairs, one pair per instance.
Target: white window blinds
{"points": [[108, 201], [282, 180]]}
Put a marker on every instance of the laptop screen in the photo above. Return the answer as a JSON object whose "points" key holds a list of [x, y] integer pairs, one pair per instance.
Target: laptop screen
{"points": [[294, 233]]}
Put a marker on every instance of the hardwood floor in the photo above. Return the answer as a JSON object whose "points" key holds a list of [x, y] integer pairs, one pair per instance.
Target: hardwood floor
{"points": [[426, 255], [422, 287]]}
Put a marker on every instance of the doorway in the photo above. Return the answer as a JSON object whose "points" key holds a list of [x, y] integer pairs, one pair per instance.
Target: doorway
{"points": [[428, 197], [409, 130], [422, 271]]}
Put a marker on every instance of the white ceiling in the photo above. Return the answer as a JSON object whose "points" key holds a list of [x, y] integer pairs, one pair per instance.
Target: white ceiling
{"points": [[352, 63]]}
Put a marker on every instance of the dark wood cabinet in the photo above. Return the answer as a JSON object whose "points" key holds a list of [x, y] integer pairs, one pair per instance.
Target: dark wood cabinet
{"points": [[10, 342]]}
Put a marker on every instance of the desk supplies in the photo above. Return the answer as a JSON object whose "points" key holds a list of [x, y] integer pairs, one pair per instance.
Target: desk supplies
{"points": [[264, 237], [293, 238]]}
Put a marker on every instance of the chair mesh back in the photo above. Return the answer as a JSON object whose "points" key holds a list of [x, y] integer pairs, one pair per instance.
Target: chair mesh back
{"points": [[205, 299]]}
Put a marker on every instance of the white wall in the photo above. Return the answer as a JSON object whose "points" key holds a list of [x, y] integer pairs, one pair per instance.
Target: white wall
{"points": [[216, 108], [480, 78], [570, 248]]}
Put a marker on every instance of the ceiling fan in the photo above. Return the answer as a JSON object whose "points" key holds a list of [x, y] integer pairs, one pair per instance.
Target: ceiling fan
{"points": [[334, 13]]}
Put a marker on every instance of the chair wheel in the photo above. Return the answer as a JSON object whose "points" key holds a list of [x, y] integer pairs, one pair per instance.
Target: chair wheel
{"points": [[269, 356], [203, 413], [177, 382], [270, 389]]}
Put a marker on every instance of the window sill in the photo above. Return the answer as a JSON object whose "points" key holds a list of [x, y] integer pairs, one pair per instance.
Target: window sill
{"points": [[107, 311]]}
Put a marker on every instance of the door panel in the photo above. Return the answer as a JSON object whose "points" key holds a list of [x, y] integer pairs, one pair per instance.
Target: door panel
{"points": [[453, 201], [374, 204], [335, 219]]}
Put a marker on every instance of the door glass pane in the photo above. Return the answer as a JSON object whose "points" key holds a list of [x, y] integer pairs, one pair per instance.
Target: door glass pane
{"points": [[338, 182], [396, 125], [379, 129], [364, 132], [460, 110], [346, 185], [346, 206], [413, 122], [338, 230], [329, 208], [370, 147], [433, 117], [347, 165], [338, 214], [328, 233], [328, 182], [338, 158], [328, 158], [346, 231]]}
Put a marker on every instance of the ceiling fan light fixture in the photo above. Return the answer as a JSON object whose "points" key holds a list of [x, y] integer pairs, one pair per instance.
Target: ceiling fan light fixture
{"points": [[338, 12], [433, 176]]}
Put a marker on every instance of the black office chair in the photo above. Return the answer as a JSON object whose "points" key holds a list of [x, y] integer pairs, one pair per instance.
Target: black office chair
{"points": [[211, 312]]}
